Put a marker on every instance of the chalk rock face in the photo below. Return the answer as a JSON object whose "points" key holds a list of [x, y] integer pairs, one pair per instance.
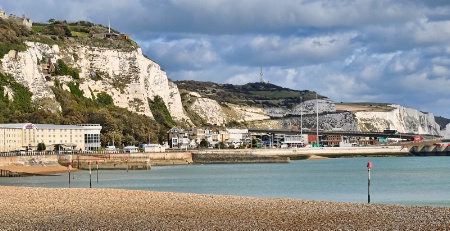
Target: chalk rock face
{"points": [[402, 119], [344, 121], [446, 133], [306, 107], [210, 110], [245, 113], [127, 75], [214, 113]]}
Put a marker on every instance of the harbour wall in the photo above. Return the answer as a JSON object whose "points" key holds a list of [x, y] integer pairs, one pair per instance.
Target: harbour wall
{"points": [[32, 160], [132, 161], [233, 158], [430, 150], [146, 160]]}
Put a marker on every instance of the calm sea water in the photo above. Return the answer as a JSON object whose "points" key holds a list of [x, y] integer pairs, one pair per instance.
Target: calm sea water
{"points": [[394, 180]]}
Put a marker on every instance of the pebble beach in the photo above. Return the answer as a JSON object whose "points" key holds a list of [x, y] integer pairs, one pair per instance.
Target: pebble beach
{"points": [[33, 208]]}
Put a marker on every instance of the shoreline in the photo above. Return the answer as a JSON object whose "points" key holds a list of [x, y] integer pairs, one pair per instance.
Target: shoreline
{"points": [[26, 208], [232, 156]]}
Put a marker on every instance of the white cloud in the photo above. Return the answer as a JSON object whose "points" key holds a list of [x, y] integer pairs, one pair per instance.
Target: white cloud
{"points": [[373, 50]]}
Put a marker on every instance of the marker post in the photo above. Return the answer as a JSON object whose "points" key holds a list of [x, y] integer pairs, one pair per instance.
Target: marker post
{"points": [[90, 175], [73, 175], [369, 166], [96, 162], [69, 167]]}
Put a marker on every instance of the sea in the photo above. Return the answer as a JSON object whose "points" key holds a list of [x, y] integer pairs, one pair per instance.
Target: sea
{"points": [[423, 181]]}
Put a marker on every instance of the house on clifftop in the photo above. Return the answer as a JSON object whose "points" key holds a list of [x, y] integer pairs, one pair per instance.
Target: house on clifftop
{"points": [[26, 22]]}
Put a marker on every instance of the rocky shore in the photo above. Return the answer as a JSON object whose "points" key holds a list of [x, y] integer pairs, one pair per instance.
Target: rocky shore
{"points": [[25, 208]]}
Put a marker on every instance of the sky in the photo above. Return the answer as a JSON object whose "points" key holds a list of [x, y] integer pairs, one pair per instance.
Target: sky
{"points": [[385, 51]]}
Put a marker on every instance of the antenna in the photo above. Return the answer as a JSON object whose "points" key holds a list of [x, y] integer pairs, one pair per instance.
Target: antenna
{"points": [[261, 78]]}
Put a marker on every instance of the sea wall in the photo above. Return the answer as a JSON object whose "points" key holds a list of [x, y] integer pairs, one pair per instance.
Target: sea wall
{"points": [[34, 160], [430, 150], [122, 161], [233, 158]]}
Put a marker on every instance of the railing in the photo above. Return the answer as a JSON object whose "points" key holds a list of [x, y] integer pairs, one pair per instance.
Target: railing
{"points": [[65, 152]]}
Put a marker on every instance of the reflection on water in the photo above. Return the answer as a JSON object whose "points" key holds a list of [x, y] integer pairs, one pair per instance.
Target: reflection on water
{"points": [[394, 180]]}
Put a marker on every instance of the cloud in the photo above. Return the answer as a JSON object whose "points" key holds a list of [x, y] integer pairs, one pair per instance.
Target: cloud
{"points": [[371, 50]]}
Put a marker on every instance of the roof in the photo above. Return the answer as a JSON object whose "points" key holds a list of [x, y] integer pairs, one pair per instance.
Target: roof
{"points": [[54, 126], [19, 126], [175, 130], [49, 126]]}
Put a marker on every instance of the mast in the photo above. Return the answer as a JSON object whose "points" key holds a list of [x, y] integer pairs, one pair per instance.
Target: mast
{"points": [[317, 119], [261, 76], [301, 118]]}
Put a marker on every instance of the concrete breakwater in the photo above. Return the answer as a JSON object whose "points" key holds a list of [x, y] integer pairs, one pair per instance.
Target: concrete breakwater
{"points": [[132, 161], [232, 158], [303, 153], [144, 161], [430, 150], [32, 160]]}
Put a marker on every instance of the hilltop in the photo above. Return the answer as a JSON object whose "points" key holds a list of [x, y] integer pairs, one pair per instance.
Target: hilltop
{"points": [[259, 94]]}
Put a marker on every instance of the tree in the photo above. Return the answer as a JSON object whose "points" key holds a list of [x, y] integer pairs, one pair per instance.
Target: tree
{"points": [[104, 99], [254, 143], [221, 145], [160, 112], [41, 147], [203, 143]]}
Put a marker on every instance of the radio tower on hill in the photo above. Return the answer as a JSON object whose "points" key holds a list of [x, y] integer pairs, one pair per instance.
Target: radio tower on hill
{"points": [[261, 78]]}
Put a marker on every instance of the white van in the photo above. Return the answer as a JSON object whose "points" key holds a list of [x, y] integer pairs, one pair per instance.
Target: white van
{"points": [[130, 149], [110, 148], [22, 151]]}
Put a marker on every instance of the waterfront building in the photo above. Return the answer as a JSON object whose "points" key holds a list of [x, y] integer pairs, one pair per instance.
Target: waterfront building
{"points": [[14, 137], [11, 137], [91, 136], [175, 137]]}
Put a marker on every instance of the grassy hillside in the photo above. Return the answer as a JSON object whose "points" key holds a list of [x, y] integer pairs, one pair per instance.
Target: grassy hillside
{"points": [[250, 94], [363, 106], [13, 35], [442, 121]]}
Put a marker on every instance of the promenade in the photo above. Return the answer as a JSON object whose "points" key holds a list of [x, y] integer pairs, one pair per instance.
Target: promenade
{"points": [[323, 151]]}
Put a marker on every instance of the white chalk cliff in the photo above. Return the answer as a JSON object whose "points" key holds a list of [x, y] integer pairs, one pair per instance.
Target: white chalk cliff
{"points": [[402, 119], [132, 79], [128, 76]]}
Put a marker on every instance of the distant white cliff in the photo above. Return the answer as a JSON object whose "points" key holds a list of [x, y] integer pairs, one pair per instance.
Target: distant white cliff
{"points": [[402, 119]]}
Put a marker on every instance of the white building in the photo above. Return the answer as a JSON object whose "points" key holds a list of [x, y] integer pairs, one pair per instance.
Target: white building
{"points": [[154, 148], [27, 135], [91, 136]]}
